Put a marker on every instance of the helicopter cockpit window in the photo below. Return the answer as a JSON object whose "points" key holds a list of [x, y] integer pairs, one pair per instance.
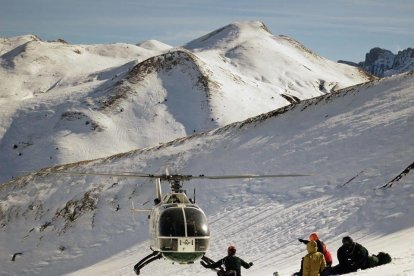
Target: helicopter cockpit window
{"points": [[178, 198], [174, 199], [172, 223], [196, 223]]}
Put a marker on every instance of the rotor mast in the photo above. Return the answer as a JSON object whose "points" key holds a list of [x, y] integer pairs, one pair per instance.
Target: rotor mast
{"points": [[176, 185], [176, 181]]}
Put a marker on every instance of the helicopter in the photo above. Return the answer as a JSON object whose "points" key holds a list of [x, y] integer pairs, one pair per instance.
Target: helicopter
{"points": [[178, 227]]}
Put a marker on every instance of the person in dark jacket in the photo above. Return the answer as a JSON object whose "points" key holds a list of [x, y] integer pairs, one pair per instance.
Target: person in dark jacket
{"points": [[321, 247], [231, 262], [351, 256]]}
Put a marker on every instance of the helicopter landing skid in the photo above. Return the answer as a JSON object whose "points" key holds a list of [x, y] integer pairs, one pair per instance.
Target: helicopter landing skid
{"points": [[148, 259]]}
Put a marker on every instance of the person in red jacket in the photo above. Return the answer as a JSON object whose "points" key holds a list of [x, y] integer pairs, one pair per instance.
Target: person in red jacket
{"points": [[321, 247]]}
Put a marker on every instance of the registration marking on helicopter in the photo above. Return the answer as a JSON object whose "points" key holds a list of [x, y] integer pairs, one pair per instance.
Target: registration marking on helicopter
{"points": [[187, 244]]}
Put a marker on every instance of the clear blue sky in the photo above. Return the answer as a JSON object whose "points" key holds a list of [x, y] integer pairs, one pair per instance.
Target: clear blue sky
{"points": [[337, 29]]}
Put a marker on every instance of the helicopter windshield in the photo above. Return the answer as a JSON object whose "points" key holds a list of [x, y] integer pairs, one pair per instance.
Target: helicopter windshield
{"points": [[173, 223], [196, 223]]}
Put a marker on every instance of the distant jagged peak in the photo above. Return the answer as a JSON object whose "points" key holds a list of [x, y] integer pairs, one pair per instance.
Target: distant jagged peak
{"points": [[378, 53], [404, 56], [154, 45], [383, 63], [229, 33]]}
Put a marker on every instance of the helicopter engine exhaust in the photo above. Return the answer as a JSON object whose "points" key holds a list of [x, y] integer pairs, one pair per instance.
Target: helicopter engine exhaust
{"points": [[158, 190]]}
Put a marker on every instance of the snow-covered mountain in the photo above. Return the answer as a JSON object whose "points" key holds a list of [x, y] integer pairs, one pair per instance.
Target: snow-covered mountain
{"points": [[353, 141], [382, 63], [65, 103], [31, 67], [45, 97]]}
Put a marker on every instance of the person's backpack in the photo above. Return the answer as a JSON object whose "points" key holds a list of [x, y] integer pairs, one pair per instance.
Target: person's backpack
{"points": [[373, 261], [327, 254], [384, 258]]}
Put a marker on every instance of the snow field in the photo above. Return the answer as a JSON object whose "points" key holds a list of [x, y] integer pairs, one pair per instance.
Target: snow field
{"points": [[361, 133]]}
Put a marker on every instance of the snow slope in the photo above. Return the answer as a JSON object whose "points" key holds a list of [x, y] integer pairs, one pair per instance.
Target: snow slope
{"points": [[44, 96], [249, 50], [37, 67], [353, 141], [65, 103]]}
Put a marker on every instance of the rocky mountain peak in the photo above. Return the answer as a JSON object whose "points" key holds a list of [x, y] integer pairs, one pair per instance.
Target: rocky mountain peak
{"points": [[383, 63]]}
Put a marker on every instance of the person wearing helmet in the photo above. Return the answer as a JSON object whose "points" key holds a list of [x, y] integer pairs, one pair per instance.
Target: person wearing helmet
{"points": [[232, 264], [321, 247]]}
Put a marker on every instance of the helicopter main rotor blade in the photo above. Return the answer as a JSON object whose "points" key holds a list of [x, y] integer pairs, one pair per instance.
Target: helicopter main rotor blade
{"points": [[169, 177], [120, 174], [248, 176]]}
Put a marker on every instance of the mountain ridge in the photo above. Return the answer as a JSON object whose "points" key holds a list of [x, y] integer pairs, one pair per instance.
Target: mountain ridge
{"points": [[92, 101], [250, 122]]}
